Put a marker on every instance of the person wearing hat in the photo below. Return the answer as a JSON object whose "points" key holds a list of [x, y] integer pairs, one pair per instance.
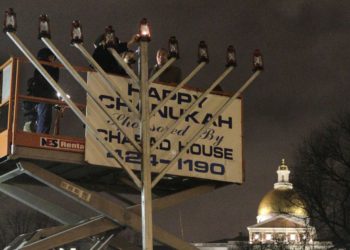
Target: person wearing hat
{"points": [[39, 115], [105, 59]]}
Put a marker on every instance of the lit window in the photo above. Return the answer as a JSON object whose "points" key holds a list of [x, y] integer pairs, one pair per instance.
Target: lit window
{"points": [[268, 237], [292, 237], [61, 248], [73, 248], [256, 236]]}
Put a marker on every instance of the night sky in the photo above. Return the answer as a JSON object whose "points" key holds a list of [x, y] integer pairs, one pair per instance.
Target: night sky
{"points": [[306, 79]]}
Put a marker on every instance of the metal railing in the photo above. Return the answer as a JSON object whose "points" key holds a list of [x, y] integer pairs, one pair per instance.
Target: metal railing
{"points": [[11, 105]]}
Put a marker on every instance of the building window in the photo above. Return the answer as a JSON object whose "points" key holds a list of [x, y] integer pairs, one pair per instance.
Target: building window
{"points": [[292, 237], [268, 236], [256, 236]]}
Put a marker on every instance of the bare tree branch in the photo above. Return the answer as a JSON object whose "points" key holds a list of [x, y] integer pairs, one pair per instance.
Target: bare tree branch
{"points": [[322, 178]]}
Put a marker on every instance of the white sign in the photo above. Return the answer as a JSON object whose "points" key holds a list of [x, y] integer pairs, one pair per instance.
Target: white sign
{"points": [[6, 83], [217, 155]]}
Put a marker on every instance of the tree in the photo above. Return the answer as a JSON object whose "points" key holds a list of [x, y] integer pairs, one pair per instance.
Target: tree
{"points": [[322, 178], [21, 221]]}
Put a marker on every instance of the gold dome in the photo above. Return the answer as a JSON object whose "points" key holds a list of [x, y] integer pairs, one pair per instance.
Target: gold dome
{"points": [[282, 201]]}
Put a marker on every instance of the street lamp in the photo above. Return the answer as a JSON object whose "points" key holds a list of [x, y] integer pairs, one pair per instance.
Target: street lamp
{"points": [[203, 52], [231, 57], [10, 23], [173, 47], [110, 38], [257, 61], [76, 32], [44, 26], [145, 32]]}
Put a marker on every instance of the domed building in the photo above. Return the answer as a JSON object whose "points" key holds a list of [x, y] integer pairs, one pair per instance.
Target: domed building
{"points": [[282, 223], [282, 216]]}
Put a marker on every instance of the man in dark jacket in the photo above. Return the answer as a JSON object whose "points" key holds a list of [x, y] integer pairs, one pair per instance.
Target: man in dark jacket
{"points": [[42, 88], [105, 59], [171, 75]]}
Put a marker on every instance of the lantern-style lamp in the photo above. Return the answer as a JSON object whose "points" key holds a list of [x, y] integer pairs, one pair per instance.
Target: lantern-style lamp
{"points": [[173, 47], [203, 52], [10, 23], [76, 33], [145, 31], [257, 61], [129, 57], [231, 56], [110, 38], [44, 26]]}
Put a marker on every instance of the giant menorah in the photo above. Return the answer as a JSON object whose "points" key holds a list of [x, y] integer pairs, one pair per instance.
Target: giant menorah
{"points": [[145, 183]]}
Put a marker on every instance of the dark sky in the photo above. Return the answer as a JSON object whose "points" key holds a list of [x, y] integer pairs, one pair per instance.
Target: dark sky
{"points": [[307, 54]]}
